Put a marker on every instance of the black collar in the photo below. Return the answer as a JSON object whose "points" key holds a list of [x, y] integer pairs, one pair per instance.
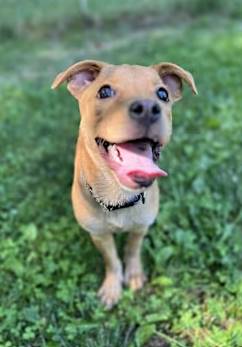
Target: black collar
{"points": [[131, 202]]}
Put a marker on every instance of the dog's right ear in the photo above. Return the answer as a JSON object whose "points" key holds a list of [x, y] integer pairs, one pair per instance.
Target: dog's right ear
{"points": [[79, 76]]}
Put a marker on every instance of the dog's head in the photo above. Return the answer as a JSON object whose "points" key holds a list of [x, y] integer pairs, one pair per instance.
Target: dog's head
{"points": [[126, 114]]}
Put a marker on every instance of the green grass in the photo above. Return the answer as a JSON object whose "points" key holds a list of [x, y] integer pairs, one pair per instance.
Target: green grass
{"points": [[193, 253], [50, 18]]}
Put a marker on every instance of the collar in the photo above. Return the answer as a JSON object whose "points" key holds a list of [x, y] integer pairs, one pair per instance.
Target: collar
{"points": [[131, 202]]}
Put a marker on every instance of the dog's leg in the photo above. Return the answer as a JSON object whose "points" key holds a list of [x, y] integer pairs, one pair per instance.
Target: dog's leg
{"points": [[111, 288], [134, 275]]}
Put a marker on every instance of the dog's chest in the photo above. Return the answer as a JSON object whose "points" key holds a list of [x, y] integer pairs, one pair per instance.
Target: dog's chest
{"points": [[132, 218]]}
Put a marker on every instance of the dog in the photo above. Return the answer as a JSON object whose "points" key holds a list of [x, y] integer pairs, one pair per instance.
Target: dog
{"points": [[125, 121]]}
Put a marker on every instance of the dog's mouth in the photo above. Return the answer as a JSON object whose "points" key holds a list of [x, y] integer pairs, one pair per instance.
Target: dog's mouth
{"points": [[133, 161]]}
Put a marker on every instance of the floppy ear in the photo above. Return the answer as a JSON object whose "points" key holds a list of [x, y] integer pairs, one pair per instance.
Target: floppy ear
{"points": [[79, 76], [172, 76]]}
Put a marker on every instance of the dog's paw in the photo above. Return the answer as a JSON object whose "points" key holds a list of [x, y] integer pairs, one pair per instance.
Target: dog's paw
{"points": [[110, 291], [134, 276], [136, 282]]}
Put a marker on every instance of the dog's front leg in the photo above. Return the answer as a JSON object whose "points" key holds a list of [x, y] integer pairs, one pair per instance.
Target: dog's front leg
{"points": [[134, 276], [111, 288]]}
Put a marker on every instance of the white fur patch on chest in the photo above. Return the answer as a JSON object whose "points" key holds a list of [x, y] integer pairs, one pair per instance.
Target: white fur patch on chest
{"points": [[130, 218]]}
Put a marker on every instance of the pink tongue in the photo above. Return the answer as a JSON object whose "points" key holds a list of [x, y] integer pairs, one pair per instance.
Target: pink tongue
{"points": [[135, 160]]}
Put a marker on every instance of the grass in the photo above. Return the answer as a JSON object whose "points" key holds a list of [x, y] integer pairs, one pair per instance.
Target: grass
{"points": [[193, 254]]}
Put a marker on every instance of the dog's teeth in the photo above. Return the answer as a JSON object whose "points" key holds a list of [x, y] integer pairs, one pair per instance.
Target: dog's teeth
{"points": [[156, 152], [115, 154]]}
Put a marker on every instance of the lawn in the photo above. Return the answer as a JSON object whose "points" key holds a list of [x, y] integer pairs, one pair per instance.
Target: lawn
{"points": [[193, 254]]}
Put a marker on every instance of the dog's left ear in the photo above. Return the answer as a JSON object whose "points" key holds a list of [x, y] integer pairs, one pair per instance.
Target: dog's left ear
{"points": [[172, 76], [79, 76]]}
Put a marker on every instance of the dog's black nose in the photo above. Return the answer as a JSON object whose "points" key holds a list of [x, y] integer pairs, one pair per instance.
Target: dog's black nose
{"points": [[145, 111]]}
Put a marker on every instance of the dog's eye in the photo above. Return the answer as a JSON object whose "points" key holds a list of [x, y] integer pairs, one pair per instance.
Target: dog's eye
{"points": [[162, 94], [105, 92]]}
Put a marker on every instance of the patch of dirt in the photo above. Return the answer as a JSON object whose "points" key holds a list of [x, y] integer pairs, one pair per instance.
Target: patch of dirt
{"points": [[157, 342]]}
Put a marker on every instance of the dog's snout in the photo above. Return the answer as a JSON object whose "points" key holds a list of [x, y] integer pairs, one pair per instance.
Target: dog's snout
{"points": [[146, 111]]}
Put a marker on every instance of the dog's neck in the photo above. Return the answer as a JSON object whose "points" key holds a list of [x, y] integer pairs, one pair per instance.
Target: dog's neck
{"points": [[120, 205]]}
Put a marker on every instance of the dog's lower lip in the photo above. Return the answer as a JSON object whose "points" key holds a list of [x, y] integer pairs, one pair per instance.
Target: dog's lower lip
{"points": [[144, 183]]}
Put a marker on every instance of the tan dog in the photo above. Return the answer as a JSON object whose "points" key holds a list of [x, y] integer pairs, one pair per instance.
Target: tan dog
{"points": [[125, 120]]}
